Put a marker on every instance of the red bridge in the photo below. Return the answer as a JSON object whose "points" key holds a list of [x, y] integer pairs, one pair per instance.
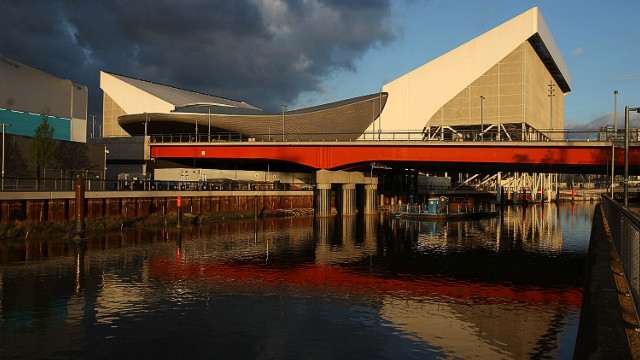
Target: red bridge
{"points": [[518, 156]]}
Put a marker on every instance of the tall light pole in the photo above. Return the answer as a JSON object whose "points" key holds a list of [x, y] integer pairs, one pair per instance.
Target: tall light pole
{"points": [[626, 151], [615, 115], [379, 113], [104, 171], [482, 117], [283, 107], [373, 119], [93, 127], [146, 124], [3, 126], [613, 145], [551, 95]]}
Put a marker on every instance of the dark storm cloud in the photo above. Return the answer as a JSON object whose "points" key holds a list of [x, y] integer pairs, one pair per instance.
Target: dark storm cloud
{"points": [[263, 52]]}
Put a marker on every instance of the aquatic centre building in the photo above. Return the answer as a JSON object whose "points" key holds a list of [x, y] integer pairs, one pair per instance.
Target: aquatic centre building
{"points": [[137, 107], [509, 82]]}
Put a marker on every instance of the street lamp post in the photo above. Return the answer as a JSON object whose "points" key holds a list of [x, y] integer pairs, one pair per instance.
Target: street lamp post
{"points": [[613, 146], [551, 95], [93, 127], [626, 151], [482, 117], [3, 126], [104, 171], [283, 107], [613, 150], [615, 115]]}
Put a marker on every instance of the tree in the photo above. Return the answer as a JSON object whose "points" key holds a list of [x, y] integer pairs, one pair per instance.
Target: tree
{"points": [[43, 147]]}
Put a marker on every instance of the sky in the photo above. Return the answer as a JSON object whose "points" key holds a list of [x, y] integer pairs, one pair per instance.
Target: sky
{"points": [[310, 52]]}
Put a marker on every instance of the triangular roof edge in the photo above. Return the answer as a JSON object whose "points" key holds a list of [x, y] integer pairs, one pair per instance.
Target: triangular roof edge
{"points": [[438, 81], [563, 78], [132, 81]]}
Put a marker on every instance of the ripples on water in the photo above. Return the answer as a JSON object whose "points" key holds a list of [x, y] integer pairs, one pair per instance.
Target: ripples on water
{"points": [[353, 287]]}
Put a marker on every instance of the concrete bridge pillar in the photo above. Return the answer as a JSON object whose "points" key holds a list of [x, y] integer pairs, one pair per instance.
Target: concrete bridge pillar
{"points": [[348, 203], [370, 206], [322, 200]]}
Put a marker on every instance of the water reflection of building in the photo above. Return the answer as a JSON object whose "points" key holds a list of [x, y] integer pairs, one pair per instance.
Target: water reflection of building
{"points": [[526, 228], [531, 228], [496, 331], [464, 316]]}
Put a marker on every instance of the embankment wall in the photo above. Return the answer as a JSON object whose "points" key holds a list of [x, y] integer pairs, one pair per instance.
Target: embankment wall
{"points": [[44, 206]]}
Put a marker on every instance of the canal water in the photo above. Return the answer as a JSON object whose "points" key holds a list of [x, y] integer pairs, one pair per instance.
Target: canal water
{"points": [[370, 287]]}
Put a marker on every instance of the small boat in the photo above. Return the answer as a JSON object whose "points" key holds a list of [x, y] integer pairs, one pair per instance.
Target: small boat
{"points": [[441, 208]]}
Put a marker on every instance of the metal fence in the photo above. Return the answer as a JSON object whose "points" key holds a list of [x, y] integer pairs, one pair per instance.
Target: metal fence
{"points": [[625, 231], [98, 184]]}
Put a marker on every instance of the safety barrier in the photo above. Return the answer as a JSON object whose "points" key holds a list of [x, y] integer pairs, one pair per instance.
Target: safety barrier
{"points": [[625, 232], [591, 135]]}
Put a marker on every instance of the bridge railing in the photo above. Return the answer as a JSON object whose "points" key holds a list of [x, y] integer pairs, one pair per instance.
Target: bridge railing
{"points": [[49, 184], [596, 135], [625, 231]]}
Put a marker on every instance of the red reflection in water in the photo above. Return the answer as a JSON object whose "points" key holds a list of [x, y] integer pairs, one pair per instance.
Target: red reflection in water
{"points": [[327, 278]]}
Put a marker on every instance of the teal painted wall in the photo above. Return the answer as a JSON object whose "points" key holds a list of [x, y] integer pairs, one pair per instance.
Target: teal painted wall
{"points": [[23, 123]]}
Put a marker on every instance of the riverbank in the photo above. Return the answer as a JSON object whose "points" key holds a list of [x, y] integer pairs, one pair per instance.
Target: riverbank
{"points": [[28, 229]]}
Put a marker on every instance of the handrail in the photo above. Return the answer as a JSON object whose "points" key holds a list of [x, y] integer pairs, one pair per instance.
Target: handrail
{"points": [[625, 232], [589, 135]]}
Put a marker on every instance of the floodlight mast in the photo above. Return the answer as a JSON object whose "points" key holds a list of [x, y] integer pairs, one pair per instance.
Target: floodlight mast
{"points": [[626, 152]]}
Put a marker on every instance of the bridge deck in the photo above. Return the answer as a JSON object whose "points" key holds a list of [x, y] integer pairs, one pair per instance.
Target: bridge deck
{"points": [[340, 155]]}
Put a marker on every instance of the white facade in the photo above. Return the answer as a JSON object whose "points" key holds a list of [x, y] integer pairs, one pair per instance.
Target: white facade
{"points": [[415, 97]]}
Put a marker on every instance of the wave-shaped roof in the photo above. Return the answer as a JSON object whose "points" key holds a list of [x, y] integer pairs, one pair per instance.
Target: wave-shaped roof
{"points": [[342, 120]]}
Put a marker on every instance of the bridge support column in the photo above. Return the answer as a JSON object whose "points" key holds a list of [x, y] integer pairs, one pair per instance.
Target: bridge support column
{"points": [[348, 204], [322, 200], [499, 188], [370, 206]]}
